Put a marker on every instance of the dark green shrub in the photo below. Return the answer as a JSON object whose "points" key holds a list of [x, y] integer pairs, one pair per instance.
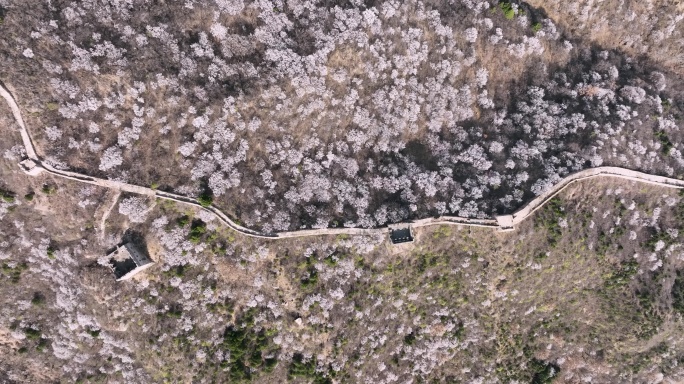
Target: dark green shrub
{"points": [[310, 275], [176, 311], [425, 261], [549, 217], [31, 333], [507, 9], [183, 220], [678, 293], [311, 278], [543, 373], [179, 270], [14, 273], [330, 261], [410, 338], [665, 143], [197, 229], [248, 349], [270, 363], [205, 199], [38, 299], [623, 275], [42, 343], [7, 196], [300, 368], [48, 189], [655, 237]]}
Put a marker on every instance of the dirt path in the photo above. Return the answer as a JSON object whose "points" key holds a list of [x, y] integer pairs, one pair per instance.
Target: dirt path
{"points": [[505, 222], [105, 215]]}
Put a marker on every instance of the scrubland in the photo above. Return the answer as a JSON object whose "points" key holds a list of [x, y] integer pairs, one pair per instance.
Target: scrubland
{"points": [[312, 114], [588, 290]]}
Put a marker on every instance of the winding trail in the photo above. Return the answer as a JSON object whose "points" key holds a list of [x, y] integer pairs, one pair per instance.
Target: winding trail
{"points": [[105, 215], [33, 165]]}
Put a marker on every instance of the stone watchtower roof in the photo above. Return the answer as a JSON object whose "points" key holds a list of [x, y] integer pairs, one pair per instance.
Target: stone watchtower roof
{"points": [[401, 235], [126, 261]]}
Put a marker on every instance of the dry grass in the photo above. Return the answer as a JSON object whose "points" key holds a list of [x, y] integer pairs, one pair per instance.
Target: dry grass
{"points": [[451, 269], [608, 24]]}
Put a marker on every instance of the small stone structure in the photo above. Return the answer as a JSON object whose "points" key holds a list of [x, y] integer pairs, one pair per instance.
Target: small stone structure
{"points": [[30, 167], [127, 261], [401, 235], [505, 223]]}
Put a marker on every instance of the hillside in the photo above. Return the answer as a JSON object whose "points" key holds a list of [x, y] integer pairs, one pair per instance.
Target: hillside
{"points": [[315, 114], [589, 289]]}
